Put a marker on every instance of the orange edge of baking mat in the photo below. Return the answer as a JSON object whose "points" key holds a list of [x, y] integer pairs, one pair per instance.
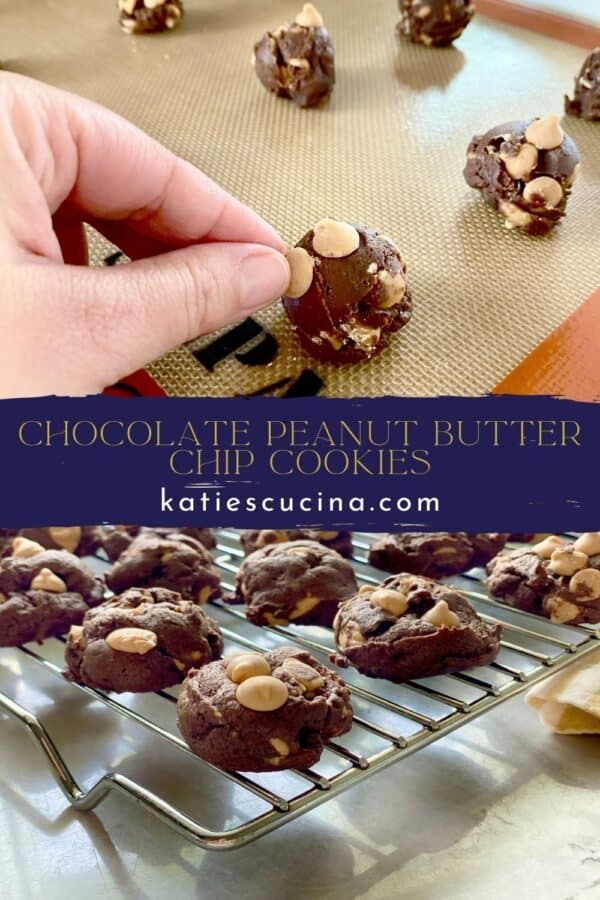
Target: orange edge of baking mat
{"points": [[552, 25], [567, 363]]}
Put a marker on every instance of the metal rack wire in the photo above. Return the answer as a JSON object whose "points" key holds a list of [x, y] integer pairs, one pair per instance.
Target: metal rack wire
{"points": [[390, 721]]}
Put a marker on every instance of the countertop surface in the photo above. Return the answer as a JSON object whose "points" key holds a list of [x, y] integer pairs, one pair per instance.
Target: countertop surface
{"points": [[499, 809]]}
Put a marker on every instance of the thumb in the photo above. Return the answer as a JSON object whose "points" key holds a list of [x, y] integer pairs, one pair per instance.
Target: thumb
{"points": [[75, 330]]}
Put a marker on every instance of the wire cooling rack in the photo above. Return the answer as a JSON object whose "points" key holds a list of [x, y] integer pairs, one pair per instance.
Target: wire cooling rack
{"points": [[390, 721]]}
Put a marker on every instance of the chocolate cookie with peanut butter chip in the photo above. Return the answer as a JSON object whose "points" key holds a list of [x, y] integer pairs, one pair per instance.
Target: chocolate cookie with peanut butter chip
{"points": [[337, 540], [526, 171], [412, 627], [301, 582], [434, 554], [82, 540], [177, 562], [118, 538], [43, 592], [434, 23], [297, 61], [142, 640], [586, 98], [6, 540], [262, 713], [149, 16], [347, 295], [555, 578]]}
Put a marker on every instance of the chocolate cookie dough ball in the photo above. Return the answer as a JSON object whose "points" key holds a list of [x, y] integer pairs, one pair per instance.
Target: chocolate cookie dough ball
{"points": [[586, 99], [434, 554], [348, 293], [411, 627], [43, 592], [176, 562], [118, 538], [149, 16], [435, 23], [83, 540], [262, 713], [553, 578], [297, 60], [525, 170], [337, 540], [301, 582], [144, 640]]}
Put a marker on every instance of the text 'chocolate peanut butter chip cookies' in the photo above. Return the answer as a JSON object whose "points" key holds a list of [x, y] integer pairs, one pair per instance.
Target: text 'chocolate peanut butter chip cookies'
{"points": [[434, 23], [348, 294], [149, 16], [526, 171], [553, 578], [143, 640], [298, 582], [411, 627], [262, 713], [297, 60], [43, 592]]}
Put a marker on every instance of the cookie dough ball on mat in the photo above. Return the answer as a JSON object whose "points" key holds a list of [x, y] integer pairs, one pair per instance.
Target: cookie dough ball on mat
{"points": [[301, 582], [337, 540], [586, 99], [149, 16], [526, 171], [434, 23], [177, 562], [261, 713], [411, 627], [348, 292], [143, 640], [297, 60], [43, 592]]}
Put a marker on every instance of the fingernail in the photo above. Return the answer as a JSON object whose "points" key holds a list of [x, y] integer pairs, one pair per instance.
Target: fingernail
{"points": [[264, 276]]}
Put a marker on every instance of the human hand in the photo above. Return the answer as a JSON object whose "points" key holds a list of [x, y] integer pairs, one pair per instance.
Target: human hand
{"points": [[200, 259]]}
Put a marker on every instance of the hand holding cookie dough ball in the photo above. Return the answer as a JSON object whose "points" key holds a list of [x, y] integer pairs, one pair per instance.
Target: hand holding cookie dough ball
{"points": [[297, 60], [434, 23], [263, 713], [348, 292], [586, 99], [149, 16], [526, 171]]}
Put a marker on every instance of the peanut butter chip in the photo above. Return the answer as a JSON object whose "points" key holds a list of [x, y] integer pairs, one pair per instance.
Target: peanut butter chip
{"points": [[394, 288], [280, 746], [302, 267], [545, 134], [366, 589], [263, 693], [247, 666], [544, 187], [522, 164], [334, 240], [67, 538], [304, 605], [567, 561], [328, 535], [562, 611], [544, 549], [46, 580], [132, 640], [308, 677], [391, 601], [23, 547], [75, 633], [441, 615], [127, 6], [586, 584], [514, 215], [588, 542], [309, 17]]}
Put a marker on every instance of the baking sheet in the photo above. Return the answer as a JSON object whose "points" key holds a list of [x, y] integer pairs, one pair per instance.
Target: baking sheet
{"points": [[388, 151]]}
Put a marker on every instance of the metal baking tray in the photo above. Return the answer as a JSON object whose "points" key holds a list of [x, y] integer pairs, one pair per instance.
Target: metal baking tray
{"points": [[390, 721]]}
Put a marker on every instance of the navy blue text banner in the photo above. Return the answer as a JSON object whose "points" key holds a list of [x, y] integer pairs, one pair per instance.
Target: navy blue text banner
{"points": [[469, 464]]}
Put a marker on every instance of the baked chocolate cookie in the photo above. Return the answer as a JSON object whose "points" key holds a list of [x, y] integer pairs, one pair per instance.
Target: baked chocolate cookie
{"points": [[436, 553], [177, 562], [143, 640], [43, 592], [337, 540], [6, 540], [434, 23], [297, 60], [586, 99], [149, 16], [82, 540], [347, 295], [526, 171], [118, 538], [411, 627], [554, 578], [261, 713], [301, 582], [521, 537]]}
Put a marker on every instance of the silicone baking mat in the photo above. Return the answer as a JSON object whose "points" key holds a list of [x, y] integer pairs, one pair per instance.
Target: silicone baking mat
{"points": [[388, 151]]}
